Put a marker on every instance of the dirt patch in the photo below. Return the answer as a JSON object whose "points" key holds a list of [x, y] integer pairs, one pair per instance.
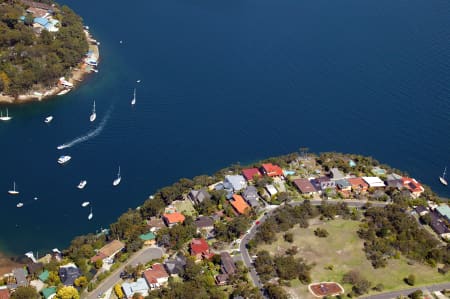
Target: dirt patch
{"points": [[8, 263]]}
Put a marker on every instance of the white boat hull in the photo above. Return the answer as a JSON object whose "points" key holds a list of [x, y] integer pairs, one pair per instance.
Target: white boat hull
{"points": [[48, 119], [85, 204], [19, 205], [13, 192], [82, 184], [443, 181], [116, 182], [93, 117]]}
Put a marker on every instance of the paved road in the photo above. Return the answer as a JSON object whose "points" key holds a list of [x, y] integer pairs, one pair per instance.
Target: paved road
{"points": [[142, 256], [252, 231], [405, 292]]}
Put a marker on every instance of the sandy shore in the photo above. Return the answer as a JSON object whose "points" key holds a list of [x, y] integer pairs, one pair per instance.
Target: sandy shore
{"points": [[76, 77]]}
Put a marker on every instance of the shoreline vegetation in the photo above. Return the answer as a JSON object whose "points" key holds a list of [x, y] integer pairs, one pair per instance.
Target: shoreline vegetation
{"points": [[46, 51]]}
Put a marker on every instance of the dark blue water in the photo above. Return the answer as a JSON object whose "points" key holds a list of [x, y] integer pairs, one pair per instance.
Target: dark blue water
{"points": [[222, 82]]}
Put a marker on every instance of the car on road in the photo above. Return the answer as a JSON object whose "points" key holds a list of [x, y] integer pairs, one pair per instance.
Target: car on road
{"points": [[257, 222]]}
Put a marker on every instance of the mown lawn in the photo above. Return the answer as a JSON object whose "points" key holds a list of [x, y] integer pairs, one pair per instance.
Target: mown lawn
{"points": [[185, 207], [343, 250]]}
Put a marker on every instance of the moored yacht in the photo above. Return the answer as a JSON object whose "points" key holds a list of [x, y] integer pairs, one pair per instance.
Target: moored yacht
{"points": [[13, 191], [48, 119], [93, 115], [82, 184], [7, 117], [85, 204], [64, 159]]}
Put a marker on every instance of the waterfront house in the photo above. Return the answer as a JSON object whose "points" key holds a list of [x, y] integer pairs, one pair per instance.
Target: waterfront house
{"points": [[251, 196], [239, 204], [235, 182], [444, 211], [271, 190], [323, 183], [394, 181], [21, 277], [421, 210], [358, 185], [156, 276], [251, 173], [413, 186], [176, 265], [108, 251], [35, 269], [336, 174], [304, 186], [37, 12], [173, 218], [148, 238], [68, 273], [204, 223], [139, 286], [271, 170], [4, 292], [440, 228], [198, 196], [200, 249], [343, 186], [155, 224], [374, 182]]}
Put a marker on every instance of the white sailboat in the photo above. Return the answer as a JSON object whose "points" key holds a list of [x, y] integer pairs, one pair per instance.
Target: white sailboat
{"points": [[82, 184], [7, 117], [90, 215], [118, 179], [19, 205], [48, 119], [13, 191], [93, 115], [442, 178], [133, 101], [85, 204]]}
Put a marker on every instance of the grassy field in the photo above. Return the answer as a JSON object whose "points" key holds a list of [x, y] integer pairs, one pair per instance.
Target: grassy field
{"points": [[343, 249], [185, 207]]}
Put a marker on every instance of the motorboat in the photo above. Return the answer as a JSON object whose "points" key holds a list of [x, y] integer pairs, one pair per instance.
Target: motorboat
{"points": [[48, 119], [90, 215], [64, 159], [133, 101], [13, 191], [85, 204], [93, 114], [442, 178], [82, 184], [118, 179], [19, 205]]}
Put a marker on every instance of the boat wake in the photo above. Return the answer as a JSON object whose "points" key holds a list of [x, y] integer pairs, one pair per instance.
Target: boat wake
{"points": [[90, 134]]}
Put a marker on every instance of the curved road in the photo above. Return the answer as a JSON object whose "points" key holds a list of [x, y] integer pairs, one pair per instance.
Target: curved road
{"points": [[142, 256]]}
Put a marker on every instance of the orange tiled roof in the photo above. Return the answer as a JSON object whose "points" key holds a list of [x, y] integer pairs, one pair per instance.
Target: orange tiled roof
{"points": [[412, 185], [358, 183], [239, 204], [174, 217], [157, 271], [272, 170], [199, 246]]}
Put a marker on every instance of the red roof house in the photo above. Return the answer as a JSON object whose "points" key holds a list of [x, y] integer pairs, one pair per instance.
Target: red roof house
{"points": [[251, 173], [271, 170], [156, 276], [200, 249], [305, 186], [358, 184], [239, 204], [173, 218], [4, 293], [413, 186]]}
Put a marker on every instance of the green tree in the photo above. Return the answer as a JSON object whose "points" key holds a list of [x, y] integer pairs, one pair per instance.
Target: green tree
{"points": [[67, 293], [411, 279], [28, 292]]}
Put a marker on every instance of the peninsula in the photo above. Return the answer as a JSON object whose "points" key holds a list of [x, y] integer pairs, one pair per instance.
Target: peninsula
{"points": [[44, 48], [295, 226]]}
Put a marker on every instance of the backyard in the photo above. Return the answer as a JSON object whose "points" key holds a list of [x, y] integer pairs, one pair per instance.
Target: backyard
{"points": [[341, 252]]}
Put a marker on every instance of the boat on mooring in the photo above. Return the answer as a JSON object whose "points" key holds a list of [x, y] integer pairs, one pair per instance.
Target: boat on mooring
{"points": [[93, 114], [5, 118], [13, 191], [118, 179], [48, 119], [64, 159], [82, 184], [85, 204], [90, 215], [19, 205]]}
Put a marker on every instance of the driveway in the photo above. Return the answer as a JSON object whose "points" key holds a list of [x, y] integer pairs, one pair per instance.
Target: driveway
{"points": [[142, 256]]}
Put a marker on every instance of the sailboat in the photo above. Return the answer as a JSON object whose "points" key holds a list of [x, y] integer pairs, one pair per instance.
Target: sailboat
{"points": [[13, 191], [117, 181], [90, 215], [133, 101], [93, 115], [442, 178], [7, 117]]}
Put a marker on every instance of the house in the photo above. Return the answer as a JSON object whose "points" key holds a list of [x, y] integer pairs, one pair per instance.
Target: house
{"points": [[204, 223], [394, 181], [68, 273], [35, 268], [271, 170], [235, 182], [49, 293], [47, 24], [173, 218], [200, 249], [227, 265], [374, 182], [176, 265], [198, 196], [440, 228], [37, 12], [413, 186], [323, 183], [444, 211], [21, 277], [336, 174], [421, 210], [4, 293], [239, 204], [221, 279], [343, 185], [139, 286], [271, 190], [156, 276], [148, 238], [155, 224], [251, 173], [44, 276], [251, 196], [358, 185], [108, 251], [305, 186]]}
